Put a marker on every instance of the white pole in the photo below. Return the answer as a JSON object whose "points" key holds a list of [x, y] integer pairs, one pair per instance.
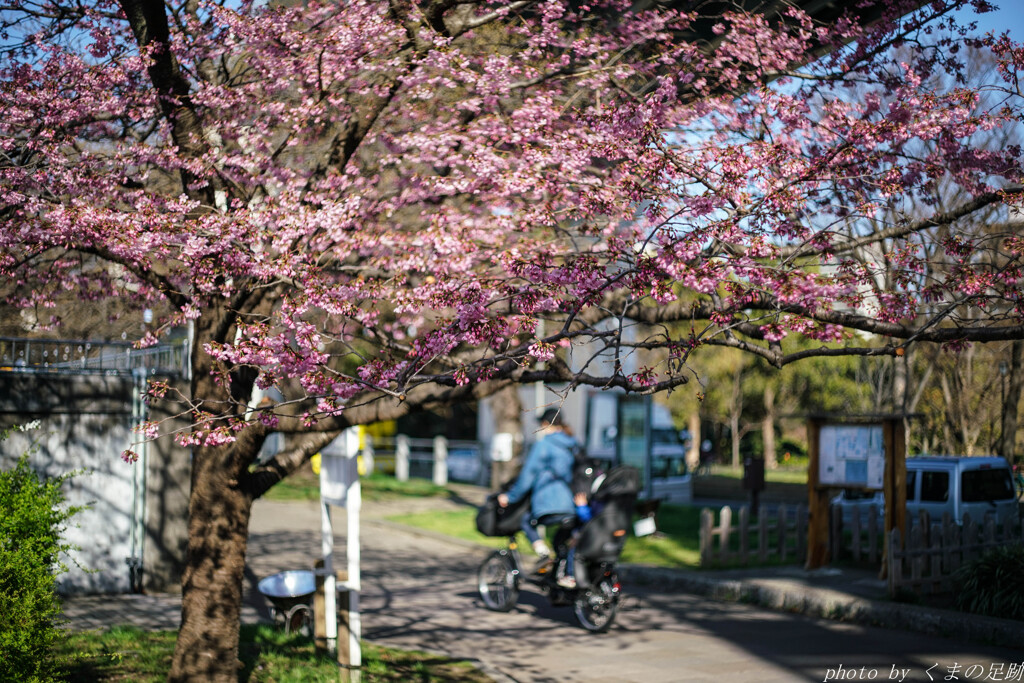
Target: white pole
{"points": [[353, 502], [402, 457], [330, 587], [440, 460]]}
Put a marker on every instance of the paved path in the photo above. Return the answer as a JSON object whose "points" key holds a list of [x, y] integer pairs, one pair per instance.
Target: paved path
{"points": [[418, 593]]}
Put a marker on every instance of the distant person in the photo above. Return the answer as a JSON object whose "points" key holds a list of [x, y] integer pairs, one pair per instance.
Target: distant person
{"points": [[707, 456], [547, 475]]}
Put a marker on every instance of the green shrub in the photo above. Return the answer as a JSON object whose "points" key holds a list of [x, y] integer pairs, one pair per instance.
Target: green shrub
{"points": [[993, 584], [32, 516]]}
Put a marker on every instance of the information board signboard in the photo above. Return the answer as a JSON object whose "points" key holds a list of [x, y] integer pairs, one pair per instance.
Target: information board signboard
{"points": [[634, 437], [852, 456]]}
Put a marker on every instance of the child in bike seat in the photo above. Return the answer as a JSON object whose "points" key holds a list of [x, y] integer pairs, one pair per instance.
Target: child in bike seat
{"points": [[585, 511]]}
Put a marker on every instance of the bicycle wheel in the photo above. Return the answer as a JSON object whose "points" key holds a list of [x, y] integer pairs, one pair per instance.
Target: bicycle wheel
{"points": [[596, 606], [497, 582]]}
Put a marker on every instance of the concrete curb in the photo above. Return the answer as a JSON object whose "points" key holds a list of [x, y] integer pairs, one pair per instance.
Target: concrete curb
{"points": [[831, 604]]}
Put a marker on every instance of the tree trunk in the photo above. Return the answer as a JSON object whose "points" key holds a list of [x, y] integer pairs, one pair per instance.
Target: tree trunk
{"points": [[771, 460], [735, 410], [693, 455], [508, 419], [1008, 438], [734, 427], [901, 390], [211, 587], [949, 422], [218, 526], [899, 384], [914, 400]]}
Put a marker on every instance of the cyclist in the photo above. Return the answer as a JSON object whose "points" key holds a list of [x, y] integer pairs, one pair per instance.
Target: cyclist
{"points": [[546, 475]]}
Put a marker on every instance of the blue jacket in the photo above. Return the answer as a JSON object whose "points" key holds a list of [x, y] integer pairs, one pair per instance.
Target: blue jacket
{"points": [[547, 473]]}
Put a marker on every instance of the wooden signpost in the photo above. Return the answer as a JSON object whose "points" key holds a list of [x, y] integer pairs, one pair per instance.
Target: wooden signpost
{"points": [[868, 454]]}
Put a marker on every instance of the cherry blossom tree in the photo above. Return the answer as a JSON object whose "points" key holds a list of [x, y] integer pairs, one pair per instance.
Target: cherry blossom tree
{"points": [[376, 207]]}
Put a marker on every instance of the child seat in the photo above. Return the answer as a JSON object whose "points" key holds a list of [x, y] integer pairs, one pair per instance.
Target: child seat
{"points": [[603, 537]]}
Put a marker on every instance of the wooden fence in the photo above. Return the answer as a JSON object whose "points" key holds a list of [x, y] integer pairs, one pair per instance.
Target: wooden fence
{"points": [[861, 540], [772, 537], [923, 558], [933, 552]]}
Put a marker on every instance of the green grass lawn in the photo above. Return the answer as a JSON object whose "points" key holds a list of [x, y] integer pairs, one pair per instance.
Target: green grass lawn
{"points": [[267, 656], [304, 485], [782, 475], [676, 544]]}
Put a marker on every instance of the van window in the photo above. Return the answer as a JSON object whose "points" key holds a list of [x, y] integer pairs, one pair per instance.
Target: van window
{"points": [[982, 485], [661, 435], [911, 474], [859, 494], [934, 486]]}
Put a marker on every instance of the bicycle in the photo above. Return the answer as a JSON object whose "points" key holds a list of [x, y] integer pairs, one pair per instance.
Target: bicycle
{"points": [[595, 600]]}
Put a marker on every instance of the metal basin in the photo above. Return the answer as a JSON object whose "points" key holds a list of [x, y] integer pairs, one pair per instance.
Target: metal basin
{"points": [[291, 584]]}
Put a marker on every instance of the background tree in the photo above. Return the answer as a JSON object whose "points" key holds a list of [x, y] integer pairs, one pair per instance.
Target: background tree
{"points": [[381, 207]]}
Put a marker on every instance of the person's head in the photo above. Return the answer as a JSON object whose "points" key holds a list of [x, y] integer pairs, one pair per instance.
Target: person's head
{"points": [[551, 418]]}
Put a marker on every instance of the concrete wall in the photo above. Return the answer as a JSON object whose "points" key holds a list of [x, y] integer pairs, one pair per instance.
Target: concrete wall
{"points": [[167, 490], [85, 423]]}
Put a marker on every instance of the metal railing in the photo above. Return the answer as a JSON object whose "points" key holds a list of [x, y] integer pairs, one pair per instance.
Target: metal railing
{"points": [[78, 356]]}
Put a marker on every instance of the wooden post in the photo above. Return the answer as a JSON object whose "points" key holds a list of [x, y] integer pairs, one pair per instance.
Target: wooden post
{"points": [[320, 608], [894, 485], [894, 560], [707, 522], [801, 532], [873, 536], [725, 532], [762, 537], [744, 535], [348, 673], [780, 531], [817, 502]]}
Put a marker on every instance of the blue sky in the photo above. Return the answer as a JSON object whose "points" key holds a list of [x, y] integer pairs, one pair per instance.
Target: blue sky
{"points": [[1009, 17]]}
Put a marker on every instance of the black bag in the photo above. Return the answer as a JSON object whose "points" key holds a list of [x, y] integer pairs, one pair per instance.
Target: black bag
{"points": [[622, 480], [603, 537], [585, 471], [494, 520]]}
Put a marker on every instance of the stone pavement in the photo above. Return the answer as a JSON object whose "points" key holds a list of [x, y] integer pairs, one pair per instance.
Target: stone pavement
{"points": [[285, 536]]}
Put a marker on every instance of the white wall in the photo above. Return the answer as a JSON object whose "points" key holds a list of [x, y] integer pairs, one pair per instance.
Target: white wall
{"points": [[66, 443]]}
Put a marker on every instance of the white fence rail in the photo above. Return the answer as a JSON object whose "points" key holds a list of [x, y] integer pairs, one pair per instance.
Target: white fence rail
{"points": [[439, 459]]}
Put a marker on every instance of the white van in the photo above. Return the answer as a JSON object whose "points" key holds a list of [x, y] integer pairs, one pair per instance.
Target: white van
{"points": [[978, 486]]}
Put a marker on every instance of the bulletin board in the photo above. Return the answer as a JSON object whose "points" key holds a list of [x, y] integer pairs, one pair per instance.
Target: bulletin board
{"points": [[851, 456]]}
